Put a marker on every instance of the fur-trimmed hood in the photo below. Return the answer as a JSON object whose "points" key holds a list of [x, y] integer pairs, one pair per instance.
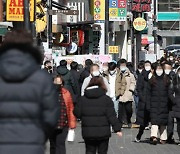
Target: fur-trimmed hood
{"points": [[18, 61]]}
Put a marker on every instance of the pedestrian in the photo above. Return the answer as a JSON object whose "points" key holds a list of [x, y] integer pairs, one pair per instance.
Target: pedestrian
{"points": [[66, 120], [69, 82], [159, 84], [48, 67], [117, 84], [97, 113], [174, 95], [94, 71], [143, 109], [126, 100], [29, 107], [86, 72], [168, 69], [75, 74]]}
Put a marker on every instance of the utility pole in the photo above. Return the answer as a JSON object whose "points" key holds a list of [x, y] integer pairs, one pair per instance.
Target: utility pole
{"points": [[1, 10], [50, 24], [155, 27], [26, 15], [106, 26]]}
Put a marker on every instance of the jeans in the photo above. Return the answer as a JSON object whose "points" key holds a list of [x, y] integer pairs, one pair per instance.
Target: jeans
{"points": [[99, 146], [128, 111], [178, 127], [116, 105], [57, 141]]}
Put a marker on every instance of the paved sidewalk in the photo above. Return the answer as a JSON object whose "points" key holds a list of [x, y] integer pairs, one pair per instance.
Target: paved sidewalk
{"points": [[124, 145]]}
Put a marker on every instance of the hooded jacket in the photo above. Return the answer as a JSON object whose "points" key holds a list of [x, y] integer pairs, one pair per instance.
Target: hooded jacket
{"points": [[69, 82], [96, 110], [28, 101]]}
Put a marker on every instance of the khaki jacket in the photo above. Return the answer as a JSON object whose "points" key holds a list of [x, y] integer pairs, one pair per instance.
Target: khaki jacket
{"points": [[120, 83], [130, 87]]}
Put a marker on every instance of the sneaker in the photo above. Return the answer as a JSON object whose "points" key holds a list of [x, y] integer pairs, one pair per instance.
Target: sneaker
{"points": [[171, 141], [137, 140], [153, 141]]}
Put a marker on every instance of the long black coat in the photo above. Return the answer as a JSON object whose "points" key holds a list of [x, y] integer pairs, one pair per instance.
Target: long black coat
{"points": [[96, 110], [28, 102], [143, 87], [174, 94], [159, 101]]}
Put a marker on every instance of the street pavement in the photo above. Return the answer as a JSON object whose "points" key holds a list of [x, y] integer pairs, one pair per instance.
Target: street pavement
{"points": [[124, 145]]}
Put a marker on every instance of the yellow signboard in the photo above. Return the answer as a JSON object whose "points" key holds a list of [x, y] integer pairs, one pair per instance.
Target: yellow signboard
{"points": [[113, 12], [15, 10], [139, 24], [99, 9], [113, 49]]}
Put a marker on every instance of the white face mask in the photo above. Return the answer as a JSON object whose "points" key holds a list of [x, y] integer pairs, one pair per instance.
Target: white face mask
{"points": [[167, 72], [105, 69], [140, 70], [147, 68], [171, 59], [96, 73], [159, 72], [123, 68]]}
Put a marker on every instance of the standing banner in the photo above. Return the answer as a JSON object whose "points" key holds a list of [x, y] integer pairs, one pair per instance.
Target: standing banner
{"points": [[99, 10], [117, 10], [15, 10]]}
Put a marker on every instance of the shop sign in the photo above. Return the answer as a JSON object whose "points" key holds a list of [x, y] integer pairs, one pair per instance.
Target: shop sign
{"points": [[113, 49], [99, 10], [139, 24], [15, 10]]}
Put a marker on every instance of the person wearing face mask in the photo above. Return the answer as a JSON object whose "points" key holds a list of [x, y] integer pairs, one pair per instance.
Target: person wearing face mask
{"points": [[94, 71], [66, 119], [170, 128], [125, 101], [174, 95], [158, 93], [117, 83], [47, 66], [143, 118]]}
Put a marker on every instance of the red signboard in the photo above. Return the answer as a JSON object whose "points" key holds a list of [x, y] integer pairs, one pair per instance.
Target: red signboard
{"points": [[121, 3], [141, 5]]}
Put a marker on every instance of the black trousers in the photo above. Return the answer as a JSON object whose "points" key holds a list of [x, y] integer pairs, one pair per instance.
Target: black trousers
{"points": [[178, 127], [127, 106], [141, 132], [57, 141], [97, 146], [170, 126]]}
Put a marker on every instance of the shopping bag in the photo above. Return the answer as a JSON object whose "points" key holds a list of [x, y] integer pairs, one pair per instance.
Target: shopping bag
{"points": [[71, 135]]}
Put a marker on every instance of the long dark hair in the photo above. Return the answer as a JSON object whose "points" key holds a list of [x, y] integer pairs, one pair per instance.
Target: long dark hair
{"points": [[153, 80], [98, 81]]}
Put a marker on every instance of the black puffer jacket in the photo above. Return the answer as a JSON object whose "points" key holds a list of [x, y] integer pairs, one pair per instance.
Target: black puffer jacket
{"points": [[174, 94], [28, 102], [159, 100], [69, 82], [143, 87], [96, 111]]}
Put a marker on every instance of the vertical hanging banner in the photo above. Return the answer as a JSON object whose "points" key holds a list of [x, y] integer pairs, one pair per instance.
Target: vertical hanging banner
{"points": [[99, 10], [117, 10], [15, 10]]}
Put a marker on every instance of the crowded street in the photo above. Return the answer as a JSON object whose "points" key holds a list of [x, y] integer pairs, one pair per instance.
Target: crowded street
{"points": [[89, 76]]}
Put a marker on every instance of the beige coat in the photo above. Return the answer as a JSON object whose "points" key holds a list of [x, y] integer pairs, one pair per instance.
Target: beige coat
{"points": [[120, 83], [130, 87]]}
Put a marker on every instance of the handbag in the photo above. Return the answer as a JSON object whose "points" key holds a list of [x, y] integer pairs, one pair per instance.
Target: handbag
{"points": [[71, 135]]}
